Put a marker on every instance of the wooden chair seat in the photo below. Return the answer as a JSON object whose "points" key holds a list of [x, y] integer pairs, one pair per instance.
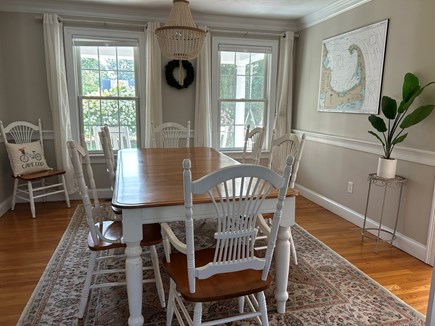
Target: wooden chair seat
{"points": [[41, 175], [217, 286], [112, 230]]}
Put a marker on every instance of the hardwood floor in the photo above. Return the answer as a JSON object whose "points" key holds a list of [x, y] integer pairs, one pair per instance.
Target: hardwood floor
{"points": [[405, 276], [26, 246]]}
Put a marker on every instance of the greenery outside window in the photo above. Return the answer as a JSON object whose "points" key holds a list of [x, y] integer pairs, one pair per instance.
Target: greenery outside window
{"points": [[107, 88]]}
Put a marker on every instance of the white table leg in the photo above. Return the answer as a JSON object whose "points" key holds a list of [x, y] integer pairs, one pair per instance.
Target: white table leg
{"points": [[132, 235], [282, 263], [133, 267]]}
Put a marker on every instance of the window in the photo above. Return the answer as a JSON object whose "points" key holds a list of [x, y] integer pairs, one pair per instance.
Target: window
{"points": [[244, 77], [104, 70]]}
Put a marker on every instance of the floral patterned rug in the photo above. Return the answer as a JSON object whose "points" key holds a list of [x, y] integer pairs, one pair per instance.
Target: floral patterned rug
{"points": [[324, 289]]}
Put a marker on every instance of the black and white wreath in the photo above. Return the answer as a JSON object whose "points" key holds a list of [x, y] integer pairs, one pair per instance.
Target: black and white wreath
{"points": [[188, 72]]}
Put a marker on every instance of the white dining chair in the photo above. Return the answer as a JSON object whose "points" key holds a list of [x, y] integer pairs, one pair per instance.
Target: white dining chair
{"points": [[253, 145], [119, 136], [29, 167], [231, 268], [105, 234], [169, 134], [280, 149], [109, 155]]}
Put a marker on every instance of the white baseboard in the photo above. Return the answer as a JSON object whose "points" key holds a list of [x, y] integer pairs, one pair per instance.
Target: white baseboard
{"points": [[402, 242], [5, 206]]}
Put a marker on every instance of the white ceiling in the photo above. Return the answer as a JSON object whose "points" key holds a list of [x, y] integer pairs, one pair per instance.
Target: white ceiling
{"points": [[275, 12], [280, 9]]}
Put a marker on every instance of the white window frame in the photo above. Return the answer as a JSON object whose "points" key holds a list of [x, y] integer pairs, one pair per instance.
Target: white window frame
{"points": [[270, 85], [73, 80]]}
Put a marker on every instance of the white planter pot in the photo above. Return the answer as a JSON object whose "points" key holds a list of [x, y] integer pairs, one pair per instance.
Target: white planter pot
{"points": [[387, 168]]}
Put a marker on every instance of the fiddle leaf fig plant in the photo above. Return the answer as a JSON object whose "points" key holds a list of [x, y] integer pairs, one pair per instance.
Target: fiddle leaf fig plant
{"points": [[398, 118]]}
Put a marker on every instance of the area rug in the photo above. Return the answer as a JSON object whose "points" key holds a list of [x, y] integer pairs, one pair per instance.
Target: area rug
{"points": [[324, 289]]}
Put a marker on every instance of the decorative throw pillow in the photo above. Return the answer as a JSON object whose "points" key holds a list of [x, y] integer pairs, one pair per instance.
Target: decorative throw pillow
{"points": [[26, 158]]}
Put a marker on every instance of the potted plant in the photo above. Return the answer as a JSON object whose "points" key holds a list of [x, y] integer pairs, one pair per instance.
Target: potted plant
{"points": [[397, 119]]}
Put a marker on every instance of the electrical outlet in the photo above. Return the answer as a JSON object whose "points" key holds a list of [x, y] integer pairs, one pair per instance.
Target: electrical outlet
{"points": [[350, 187]]}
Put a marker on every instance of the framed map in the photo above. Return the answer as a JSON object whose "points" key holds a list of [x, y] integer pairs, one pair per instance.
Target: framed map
{"points": [[351, 70]]}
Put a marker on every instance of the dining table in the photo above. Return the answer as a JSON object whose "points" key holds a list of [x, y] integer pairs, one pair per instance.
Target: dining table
{"points": [[149, 189]]}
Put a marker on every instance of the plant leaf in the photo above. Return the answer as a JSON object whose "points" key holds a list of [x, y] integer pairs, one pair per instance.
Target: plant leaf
{"points": [[372, 133], [405, 104], [410, 85], [389, 107], [399, 139], [417, 116], [377, 123]]}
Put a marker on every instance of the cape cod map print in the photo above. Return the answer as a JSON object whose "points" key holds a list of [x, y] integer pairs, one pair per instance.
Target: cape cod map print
{"points": [[351, 71]]}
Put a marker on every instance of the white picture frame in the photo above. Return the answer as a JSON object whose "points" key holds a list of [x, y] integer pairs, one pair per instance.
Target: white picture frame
{"points": [[351, 71]]}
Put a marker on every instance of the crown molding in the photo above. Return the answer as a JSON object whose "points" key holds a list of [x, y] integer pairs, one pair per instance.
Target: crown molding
{"points": [[85, 10], [328, 12], [142, 15]]}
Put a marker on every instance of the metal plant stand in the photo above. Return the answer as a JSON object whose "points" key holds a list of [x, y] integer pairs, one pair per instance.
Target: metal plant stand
{"points": [[385, 183]]}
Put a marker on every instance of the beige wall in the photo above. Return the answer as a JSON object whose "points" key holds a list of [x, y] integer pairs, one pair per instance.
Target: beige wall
{"points": [[23, 83], [4, 163], [326, 169], [24, 94]]}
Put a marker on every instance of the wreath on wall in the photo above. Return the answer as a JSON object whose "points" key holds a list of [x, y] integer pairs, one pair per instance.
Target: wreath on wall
{"points": [[189, 73]]}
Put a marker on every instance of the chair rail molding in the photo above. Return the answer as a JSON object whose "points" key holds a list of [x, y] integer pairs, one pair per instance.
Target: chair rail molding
{"points": [[402, 153]]}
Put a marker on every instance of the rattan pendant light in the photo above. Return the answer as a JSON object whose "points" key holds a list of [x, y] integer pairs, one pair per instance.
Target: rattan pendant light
{"points": [[180, 39]]}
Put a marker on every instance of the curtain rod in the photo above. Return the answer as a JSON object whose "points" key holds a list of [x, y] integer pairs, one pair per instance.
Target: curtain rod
{"points": [[101, 22], [249, 32]]}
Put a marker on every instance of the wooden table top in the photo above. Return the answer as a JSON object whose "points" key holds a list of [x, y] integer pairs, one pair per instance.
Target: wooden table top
{"points": [[153, 177]]}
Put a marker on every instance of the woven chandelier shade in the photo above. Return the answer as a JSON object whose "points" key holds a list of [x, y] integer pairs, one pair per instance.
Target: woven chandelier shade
{"points": [[180, 38]]}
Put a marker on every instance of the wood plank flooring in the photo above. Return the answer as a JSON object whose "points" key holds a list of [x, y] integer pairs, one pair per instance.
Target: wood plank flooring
{"points": [[26, 246], [405, 276]]}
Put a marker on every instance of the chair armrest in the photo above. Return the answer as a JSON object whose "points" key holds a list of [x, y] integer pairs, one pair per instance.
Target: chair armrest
{"points": [[169, 238]]}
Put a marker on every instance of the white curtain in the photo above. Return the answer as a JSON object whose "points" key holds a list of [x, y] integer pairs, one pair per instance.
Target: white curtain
{"points": [[284, 94], [153, 109], [203, 95], [58, 94]]}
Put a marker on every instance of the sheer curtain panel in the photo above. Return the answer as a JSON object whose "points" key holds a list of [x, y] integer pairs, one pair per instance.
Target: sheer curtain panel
{"points": [[284, 94], [153, 110], [58, 94], [202, 134]]}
